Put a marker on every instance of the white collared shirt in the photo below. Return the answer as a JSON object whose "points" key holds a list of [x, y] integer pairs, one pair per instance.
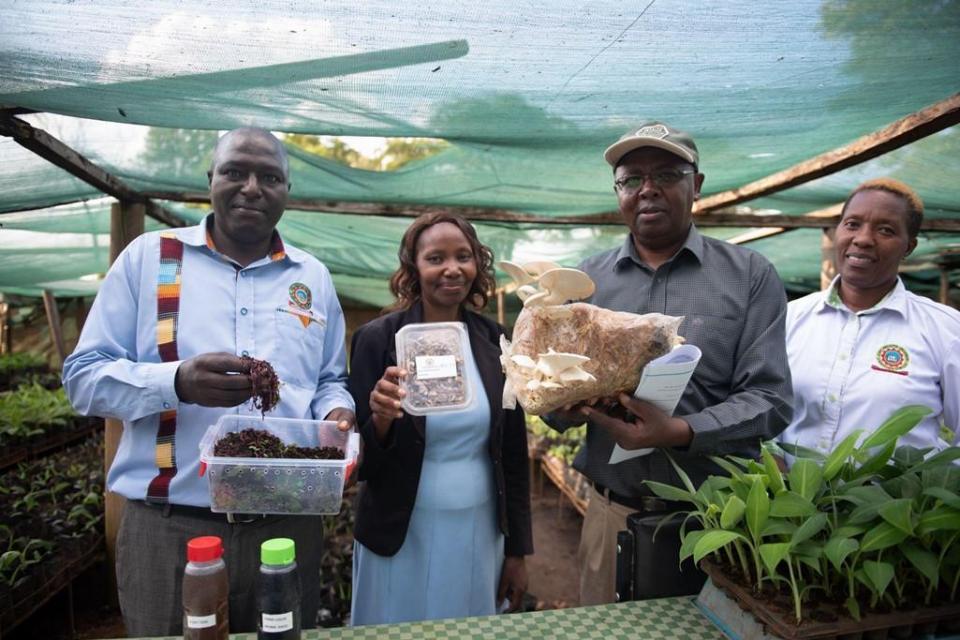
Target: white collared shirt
{"points": [[281, 308], [851, 370]]}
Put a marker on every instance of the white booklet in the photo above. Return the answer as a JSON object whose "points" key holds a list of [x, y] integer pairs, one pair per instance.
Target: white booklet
{"points": [[661, 384]]}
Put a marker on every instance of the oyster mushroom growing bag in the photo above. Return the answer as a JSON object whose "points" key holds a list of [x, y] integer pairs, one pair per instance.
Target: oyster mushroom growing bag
{"points": [[562, 354]]}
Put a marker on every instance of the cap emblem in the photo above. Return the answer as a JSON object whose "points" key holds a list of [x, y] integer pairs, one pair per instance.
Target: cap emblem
{"points": [[652, 131]]}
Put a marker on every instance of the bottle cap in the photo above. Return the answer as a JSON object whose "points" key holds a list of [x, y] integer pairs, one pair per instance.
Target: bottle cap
{"points": [[277, 551], [204, 549]]}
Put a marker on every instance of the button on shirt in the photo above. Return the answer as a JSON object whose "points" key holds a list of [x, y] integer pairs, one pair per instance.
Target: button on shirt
{"points": [[734, 306], [851, 370], [116, 370]]}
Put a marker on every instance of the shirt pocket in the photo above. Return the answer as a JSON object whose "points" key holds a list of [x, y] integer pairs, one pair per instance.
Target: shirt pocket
{"points": [[298, 348], [717, 337]]}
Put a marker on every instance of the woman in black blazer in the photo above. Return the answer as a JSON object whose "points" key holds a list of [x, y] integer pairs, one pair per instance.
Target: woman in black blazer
{"points": [[443, 515]]}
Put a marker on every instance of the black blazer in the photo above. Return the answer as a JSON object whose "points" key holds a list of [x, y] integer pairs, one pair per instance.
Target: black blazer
{"points": [[390, 473]]}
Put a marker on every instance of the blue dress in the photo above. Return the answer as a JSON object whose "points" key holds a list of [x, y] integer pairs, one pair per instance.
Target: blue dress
{"points": [[450, 561]]}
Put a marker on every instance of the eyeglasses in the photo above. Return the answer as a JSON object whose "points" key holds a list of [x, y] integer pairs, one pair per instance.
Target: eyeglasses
{"points": [[662, 178]]}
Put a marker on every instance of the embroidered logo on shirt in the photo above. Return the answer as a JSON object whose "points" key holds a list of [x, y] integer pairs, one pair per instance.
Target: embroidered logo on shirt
{"points": [[893, 359], [306, 316], [300, 295], [299, 305]]}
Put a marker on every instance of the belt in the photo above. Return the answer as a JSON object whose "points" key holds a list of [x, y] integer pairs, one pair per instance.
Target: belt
{"points": [[169, 509], [640, 503]]}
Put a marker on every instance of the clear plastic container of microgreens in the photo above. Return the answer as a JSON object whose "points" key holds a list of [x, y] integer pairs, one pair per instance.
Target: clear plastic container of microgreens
{"points": [[434, 355], [278, 485]]}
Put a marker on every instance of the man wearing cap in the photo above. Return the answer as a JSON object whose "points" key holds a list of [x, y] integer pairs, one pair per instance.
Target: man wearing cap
{"points": [[733, 306]]}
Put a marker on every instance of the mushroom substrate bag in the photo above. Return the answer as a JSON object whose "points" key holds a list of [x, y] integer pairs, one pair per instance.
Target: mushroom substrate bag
{"points": [[618, 345]]}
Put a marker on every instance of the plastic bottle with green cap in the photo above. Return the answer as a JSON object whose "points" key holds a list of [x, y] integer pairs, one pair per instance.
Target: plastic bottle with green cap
{"points": [[278, 591]]}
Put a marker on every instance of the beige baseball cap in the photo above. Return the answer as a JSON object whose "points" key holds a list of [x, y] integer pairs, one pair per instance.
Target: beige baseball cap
{"points": [[653, 134]]}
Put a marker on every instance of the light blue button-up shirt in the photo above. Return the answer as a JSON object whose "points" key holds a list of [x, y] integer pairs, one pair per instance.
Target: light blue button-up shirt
{"points": [[281, 308]]}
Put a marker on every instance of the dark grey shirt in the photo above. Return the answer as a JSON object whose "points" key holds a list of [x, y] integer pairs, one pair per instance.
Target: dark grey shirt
{"points": [[734, 306]]}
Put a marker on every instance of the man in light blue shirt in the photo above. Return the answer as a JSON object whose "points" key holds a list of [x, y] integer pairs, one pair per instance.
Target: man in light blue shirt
{"points": [[162, 350]]}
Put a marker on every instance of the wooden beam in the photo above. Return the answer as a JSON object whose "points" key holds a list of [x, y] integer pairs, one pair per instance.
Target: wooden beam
{"points": [[832, 212], [920, 124], [720, 219], [53, 150], [53, 322], [801, 222], [167, 217], [756, 234], [404, 210], [56, 152], [724, 218]]}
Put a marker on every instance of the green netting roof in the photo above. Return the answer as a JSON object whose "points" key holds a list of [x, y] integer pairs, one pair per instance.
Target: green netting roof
{"points": [[528, 95]]}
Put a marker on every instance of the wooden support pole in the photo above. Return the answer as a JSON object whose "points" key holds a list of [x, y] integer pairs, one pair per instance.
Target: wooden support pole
{"points": [[828, 264], [81, 314], [936, 117], [53, 322], [126, 223], [4, 327], [944, 296]]}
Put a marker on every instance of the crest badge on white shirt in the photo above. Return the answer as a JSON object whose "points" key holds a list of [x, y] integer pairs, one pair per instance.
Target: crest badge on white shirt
{"points": [[892, 358]]}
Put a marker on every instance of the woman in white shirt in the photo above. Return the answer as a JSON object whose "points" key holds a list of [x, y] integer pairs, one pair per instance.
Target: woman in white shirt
{"points": [[866, 346]]}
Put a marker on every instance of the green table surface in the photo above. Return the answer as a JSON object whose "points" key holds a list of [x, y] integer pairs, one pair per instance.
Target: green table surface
{"points": [[667, 618]]}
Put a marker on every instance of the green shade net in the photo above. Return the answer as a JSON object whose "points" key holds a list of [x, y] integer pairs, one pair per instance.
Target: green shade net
{"points": [[528, 95]]}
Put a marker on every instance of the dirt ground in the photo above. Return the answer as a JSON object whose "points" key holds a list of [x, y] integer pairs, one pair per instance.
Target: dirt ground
{"points": [[554, 579], [552, 571]]}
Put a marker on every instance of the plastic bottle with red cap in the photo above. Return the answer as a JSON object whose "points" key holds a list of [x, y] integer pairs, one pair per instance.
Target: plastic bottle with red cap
{"points": [[206, 591]]}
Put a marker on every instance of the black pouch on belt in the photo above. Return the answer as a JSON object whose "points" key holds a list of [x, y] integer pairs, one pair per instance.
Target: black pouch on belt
{"points": [[647, 567]]}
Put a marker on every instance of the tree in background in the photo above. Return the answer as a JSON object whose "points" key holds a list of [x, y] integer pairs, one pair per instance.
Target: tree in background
{"points": [[397, 153], [183, 154]]}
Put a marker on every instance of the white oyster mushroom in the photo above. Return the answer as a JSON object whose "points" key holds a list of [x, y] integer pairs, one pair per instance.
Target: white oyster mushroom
{"points": [[523, 361], [505, 349], [565, 284], [526, 291], [537, 268], [537, 299], [552, 363], [575, 374], [509, 398], [516, 272]]}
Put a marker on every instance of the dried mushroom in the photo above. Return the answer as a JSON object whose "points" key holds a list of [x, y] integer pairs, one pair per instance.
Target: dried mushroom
{"points": [[433, 355]]}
